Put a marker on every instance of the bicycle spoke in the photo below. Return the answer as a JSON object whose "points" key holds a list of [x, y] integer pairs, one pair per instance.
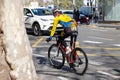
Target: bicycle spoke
{"points": [[81, 62], [56, 57]]}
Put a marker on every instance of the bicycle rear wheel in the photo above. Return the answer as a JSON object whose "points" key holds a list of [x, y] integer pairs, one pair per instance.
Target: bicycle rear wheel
{"points": [[80, 61], [56, 56]]}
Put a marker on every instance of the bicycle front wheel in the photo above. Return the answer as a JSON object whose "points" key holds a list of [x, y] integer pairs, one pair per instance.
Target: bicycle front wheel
{"points": [[80, 61], [56, 56]]}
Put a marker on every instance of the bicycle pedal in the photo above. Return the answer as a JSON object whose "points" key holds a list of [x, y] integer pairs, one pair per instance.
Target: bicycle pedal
{"points": [[72, 65]]}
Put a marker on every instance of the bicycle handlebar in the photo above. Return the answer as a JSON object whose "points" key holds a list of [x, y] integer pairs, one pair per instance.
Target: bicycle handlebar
{"points": [[56, 35]]}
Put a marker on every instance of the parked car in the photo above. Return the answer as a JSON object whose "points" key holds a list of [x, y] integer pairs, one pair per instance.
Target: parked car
{"points": [[40, 20], [88, 11], [82, 18], [68, 12]]}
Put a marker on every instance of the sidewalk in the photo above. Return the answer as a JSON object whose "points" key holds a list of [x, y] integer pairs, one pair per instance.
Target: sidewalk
{"points": [[106, 25]]}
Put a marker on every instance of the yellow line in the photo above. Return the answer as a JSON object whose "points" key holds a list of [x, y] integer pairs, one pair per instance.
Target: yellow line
{"points": [[94, 54], [94, 47], [112, 49], [78, 45], [91, 55], [111, 54], [89, 47], [37, 42], [108, 54]]}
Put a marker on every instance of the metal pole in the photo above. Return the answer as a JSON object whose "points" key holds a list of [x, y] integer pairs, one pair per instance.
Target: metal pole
{"points": [[91, 2], [73, 2], [88, 3]]}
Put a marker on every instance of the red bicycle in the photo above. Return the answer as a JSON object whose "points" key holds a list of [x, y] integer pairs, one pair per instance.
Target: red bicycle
{"points": [[77, 59]]}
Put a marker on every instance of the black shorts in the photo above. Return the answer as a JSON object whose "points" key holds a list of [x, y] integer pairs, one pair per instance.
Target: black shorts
{"points": [[71, 32]]}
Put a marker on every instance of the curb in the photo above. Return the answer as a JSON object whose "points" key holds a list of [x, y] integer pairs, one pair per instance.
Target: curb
{"points": [[92, 26]]}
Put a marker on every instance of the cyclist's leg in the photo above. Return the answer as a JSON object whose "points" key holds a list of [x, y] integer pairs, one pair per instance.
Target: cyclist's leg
{"points": [[72, 44], [74, 35], [71, 41], [61, 40], [62, 37]]}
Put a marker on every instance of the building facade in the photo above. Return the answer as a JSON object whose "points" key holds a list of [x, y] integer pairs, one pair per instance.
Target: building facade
{"points": [[109, 10]]}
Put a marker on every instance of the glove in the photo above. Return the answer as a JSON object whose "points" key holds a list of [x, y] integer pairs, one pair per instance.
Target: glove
{"points": [[49, 39]]}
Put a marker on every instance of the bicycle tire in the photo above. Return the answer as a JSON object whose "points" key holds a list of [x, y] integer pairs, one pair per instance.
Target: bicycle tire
{"points": [[81, 63], [60, 58]]}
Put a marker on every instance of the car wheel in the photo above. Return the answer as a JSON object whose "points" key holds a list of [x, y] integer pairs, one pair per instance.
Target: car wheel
{"points": [[36, 29], [88, 22]]}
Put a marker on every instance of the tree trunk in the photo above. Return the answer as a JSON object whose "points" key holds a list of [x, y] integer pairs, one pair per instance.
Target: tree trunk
{"points": [[15, 52]]}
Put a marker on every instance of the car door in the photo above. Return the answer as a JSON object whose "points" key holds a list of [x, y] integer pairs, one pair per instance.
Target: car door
{"points": [[27, 16]]}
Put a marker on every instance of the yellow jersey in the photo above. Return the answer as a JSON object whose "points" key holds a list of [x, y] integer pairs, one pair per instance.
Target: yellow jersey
{"points": [[64, 20]]}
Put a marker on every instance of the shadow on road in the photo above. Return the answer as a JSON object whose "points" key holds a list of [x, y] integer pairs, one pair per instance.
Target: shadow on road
{"points": [[46, 69], [29, 31]]}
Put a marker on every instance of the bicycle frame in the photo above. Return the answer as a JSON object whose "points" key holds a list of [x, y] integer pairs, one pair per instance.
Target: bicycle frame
{"points": [[72, 57]]}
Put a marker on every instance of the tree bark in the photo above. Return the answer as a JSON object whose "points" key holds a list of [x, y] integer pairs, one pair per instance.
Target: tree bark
{"points": [[15, 52]]}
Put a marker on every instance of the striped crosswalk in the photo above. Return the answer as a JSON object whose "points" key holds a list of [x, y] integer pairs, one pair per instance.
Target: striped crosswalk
{"points": [[40, 40]]}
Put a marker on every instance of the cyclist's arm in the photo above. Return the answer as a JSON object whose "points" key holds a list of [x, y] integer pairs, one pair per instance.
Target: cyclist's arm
{"points": [[74, 23], [54, 27]]}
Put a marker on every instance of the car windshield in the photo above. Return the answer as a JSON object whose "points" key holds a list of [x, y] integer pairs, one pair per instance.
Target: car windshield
{"points": [[67, 12], [41, 12]]}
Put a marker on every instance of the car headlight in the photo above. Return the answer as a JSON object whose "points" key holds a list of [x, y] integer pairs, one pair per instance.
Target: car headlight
{"points": [[44, 19], [87, 18]]}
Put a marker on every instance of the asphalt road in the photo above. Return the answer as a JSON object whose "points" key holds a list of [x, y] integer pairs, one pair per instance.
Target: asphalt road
{"points": [[102, 46]]}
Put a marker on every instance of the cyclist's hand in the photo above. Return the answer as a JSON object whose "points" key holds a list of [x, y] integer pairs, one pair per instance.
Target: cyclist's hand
{"points": [[49, 39]]}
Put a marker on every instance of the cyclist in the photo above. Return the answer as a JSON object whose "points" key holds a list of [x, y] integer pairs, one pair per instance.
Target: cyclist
{"points": [[69, 28]]}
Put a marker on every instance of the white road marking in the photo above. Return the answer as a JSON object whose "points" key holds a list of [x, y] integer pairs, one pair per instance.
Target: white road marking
{"points": [[111, 75], [117, 45], [45, 46], [62, 78], [67, 39], [95, 42], [99, 29], [95, 63], [100, 38], [38, 55]]}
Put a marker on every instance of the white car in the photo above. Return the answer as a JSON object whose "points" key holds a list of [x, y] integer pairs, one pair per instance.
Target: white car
{"points": [[40, 20], [68, 12]]}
